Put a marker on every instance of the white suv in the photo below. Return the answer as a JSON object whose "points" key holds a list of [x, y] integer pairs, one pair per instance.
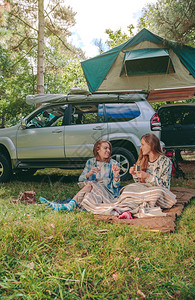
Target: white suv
{"points": [[62, 132]]}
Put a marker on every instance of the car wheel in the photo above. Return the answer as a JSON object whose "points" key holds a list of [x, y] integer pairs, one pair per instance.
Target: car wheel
{"points": [[5, 169], [125, 159]]}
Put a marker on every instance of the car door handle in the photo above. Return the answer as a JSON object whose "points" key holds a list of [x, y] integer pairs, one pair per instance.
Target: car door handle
{"points": [[98, 128], [57, 131]]}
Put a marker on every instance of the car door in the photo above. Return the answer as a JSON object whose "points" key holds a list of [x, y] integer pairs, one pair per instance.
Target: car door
{"points": [[169, 126], [122, 119], [86, 127], [188, 126], [43, 136], [178, 128]]}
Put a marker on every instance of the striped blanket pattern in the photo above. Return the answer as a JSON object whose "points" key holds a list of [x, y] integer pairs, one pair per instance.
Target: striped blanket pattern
{"points": [[132, 197]]}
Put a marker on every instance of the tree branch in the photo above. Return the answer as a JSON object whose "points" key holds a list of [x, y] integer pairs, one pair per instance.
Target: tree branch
{"points": [[20, 43], [56, 67], [60, 39], [48, 13], [23, 21], [23, 56]]}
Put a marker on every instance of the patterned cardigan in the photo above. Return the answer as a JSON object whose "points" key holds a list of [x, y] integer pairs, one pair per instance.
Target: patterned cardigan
{"points": [[160, 172], [108, 178]]}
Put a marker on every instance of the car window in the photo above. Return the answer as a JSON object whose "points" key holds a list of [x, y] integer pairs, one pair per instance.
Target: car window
{"points": [[120, 112], [177, 115], [189, 116], [182, 115], [87, 114], [167, 116], [48, 117]]}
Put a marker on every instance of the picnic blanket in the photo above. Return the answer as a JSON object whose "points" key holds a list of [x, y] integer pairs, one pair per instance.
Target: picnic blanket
{"points": [[156, 224], [133, 198]]}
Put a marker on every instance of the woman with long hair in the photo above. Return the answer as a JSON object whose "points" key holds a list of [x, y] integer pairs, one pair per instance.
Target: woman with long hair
{"points": [[149, 193], [99, 180], [155, 167]]}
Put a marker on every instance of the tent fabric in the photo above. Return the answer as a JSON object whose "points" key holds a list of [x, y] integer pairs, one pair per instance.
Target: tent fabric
{"points": [[100, 66], [85, 98], [187, 57], [45, 98], [145, 53], [103, 71], [147, 82], [146, 61], [171, 95]]}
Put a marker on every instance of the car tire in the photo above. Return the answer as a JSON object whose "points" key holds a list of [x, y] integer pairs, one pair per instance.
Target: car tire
{"points": [[125, 159], [5, 169]]}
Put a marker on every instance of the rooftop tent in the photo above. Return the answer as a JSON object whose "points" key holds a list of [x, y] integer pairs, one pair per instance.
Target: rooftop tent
{"points": [[146, 63]]}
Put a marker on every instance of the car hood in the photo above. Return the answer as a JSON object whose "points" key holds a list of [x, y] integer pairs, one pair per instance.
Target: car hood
{"points": [[8, 131]]}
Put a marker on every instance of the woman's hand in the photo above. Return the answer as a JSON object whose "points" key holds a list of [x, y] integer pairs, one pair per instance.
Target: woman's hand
{"points": [[87, 188], [132, 170], [94, 170], [116, 171], [142, 174]]}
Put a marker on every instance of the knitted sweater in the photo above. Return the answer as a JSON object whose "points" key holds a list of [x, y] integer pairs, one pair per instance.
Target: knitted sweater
{"points": [[159, 171]]}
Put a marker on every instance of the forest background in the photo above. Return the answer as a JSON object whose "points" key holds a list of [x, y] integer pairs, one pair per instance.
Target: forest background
{"points": [[171, 19], [74, 256]]}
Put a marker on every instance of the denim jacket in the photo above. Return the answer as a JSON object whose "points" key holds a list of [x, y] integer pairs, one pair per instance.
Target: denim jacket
{"points": [[108, 179]]}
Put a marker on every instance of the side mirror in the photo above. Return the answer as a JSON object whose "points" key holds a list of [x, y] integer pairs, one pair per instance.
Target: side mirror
{"points": [[23, 124]]}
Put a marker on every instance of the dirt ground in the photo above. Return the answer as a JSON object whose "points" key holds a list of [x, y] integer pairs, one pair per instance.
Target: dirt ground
{"points": [[188, 163]]}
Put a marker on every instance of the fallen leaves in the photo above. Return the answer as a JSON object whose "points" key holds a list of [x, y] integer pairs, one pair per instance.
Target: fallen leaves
{"points": [[102, 230], [140, 293], [31, 265], [115, 275], [136, 259], [50, 237]]}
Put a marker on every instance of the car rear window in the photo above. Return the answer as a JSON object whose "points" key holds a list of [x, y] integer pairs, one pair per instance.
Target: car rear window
{"points": [[189, 117], [166, 116], [120, 112], [177, 115]]}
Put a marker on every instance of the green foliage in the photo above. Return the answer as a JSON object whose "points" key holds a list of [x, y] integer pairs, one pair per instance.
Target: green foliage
{"points": [[171, 19], [15, 83], [156, 105], [47, 255], [118, 37], [62, 69], [18, 55]]}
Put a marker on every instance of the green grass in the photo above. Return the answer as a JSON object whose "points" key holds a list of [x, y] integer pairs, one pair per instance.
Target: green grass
{"points": [[48, 255]]}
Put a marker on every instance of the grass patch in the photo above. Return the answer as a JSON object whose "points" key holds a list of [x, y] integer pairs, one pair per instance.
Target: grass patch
{"points": [[47, 255]]}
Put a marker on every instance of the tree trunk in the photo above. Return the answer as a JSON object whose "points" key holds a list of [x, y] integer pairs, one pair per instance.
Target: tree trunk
{"points": [[40, 60], [3, 120]]}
